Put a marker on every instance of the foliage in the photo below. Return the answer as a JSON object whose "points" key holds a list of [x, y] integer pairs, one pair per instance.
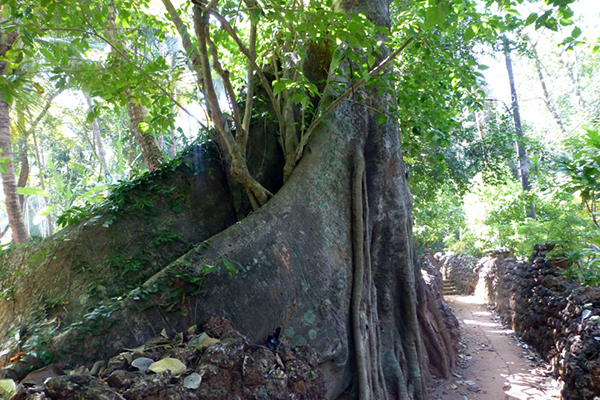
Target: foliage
{"points": [[439, 187], [438, 87], [564, 164], [582, 172], [437, 222]]}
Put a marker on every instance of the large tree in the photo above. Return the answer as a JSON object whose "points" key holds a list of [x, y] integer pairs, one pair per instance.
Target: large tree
{"points": [[327, 254]]}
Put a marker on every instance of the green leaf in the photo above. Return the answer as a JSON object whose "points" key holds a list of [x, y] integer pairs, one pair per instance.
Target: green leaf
{"points": [[229, 266], [208, 269], [30, 191], [144, 127], [531, 19], [94, 190], [40, 216], [279, 87], [566, 21], [443, 9], [381, 118], [371, 60], [8, 388], [431, 17], [27, 36], [469, 34]]}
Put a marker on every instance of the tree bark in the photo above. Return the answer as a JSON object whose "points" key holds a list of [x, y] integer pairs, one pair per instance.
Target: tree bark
{"points": [[186, 41], [9, 184], [153, 157], [24, 165], [524, 162], [239, 167]]}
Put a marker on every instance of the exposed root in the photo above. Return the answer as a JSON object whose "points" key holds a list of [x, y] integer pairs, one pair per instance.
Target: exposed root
{"points": [[358, 230]]}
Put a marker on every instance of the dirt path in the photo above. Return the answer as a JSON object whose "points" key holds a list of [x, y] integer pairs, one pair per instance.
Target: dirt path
{"points": [[493, 365]]}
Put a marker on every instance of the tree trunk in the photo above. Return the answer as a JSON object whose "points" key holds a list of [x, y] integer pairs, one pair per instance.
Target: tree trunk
{"points": [[573, 73], [9, 184], [330, 259], [153, 157], [24, 165], [151, 153], [186, 41], [524, 163], [98, 144], [299, 255], [22, 179], [42, 165], [547, 101]]}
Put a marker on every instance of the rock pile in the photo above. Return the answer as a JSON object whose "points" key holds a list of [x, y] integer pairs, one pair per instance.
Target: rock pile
{"points": [[217, 364], [560, 319]]}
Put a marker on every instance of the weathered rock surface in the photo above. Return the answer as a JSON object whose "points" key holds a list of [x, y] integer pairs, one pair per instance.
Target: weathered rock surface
{"points": [[145, 225]]}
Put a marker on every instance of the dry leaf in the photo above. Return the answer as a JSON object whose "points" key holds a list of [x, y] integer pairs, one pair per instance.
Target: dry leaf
{"points": [[38, 377], [142, 363], [168, 364], [208, 341], [192, 381]]}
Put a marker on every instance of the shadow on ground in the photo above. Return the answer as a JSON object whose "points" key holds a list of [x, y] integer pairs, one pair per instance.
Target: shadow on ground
{"points": [[494, 364]]}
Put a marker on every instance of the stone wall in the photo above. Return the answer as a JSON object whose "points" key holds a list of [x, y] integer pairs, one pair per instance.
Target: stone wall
{"points": [[460, 269], [560, 319]]}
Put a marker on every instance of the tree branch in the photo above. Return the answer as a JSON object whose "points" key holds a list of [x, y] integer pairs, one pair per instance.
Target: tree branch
{"points": [[267, 85], [239, 167], [224, 74], [186, 41], [345, 95], [92, 32], [243, 139]]}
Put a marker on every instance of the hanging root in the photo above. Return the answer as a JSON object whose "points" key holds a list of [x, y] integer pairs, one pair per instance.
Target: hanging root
{"points": [[358, 231], [376, 376]]}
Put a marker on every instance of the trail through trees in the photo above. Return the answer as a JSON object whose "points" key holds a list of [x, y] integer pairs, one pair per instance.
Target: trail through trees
{"points": [[494, 364]]}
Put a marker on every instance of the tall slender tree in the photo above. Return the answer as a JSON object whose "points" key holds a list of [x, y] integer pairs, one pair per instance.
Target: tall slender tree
{"points": [[524, 162], [542, 79], [9, 183], [137, 112], [98, 142]]}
